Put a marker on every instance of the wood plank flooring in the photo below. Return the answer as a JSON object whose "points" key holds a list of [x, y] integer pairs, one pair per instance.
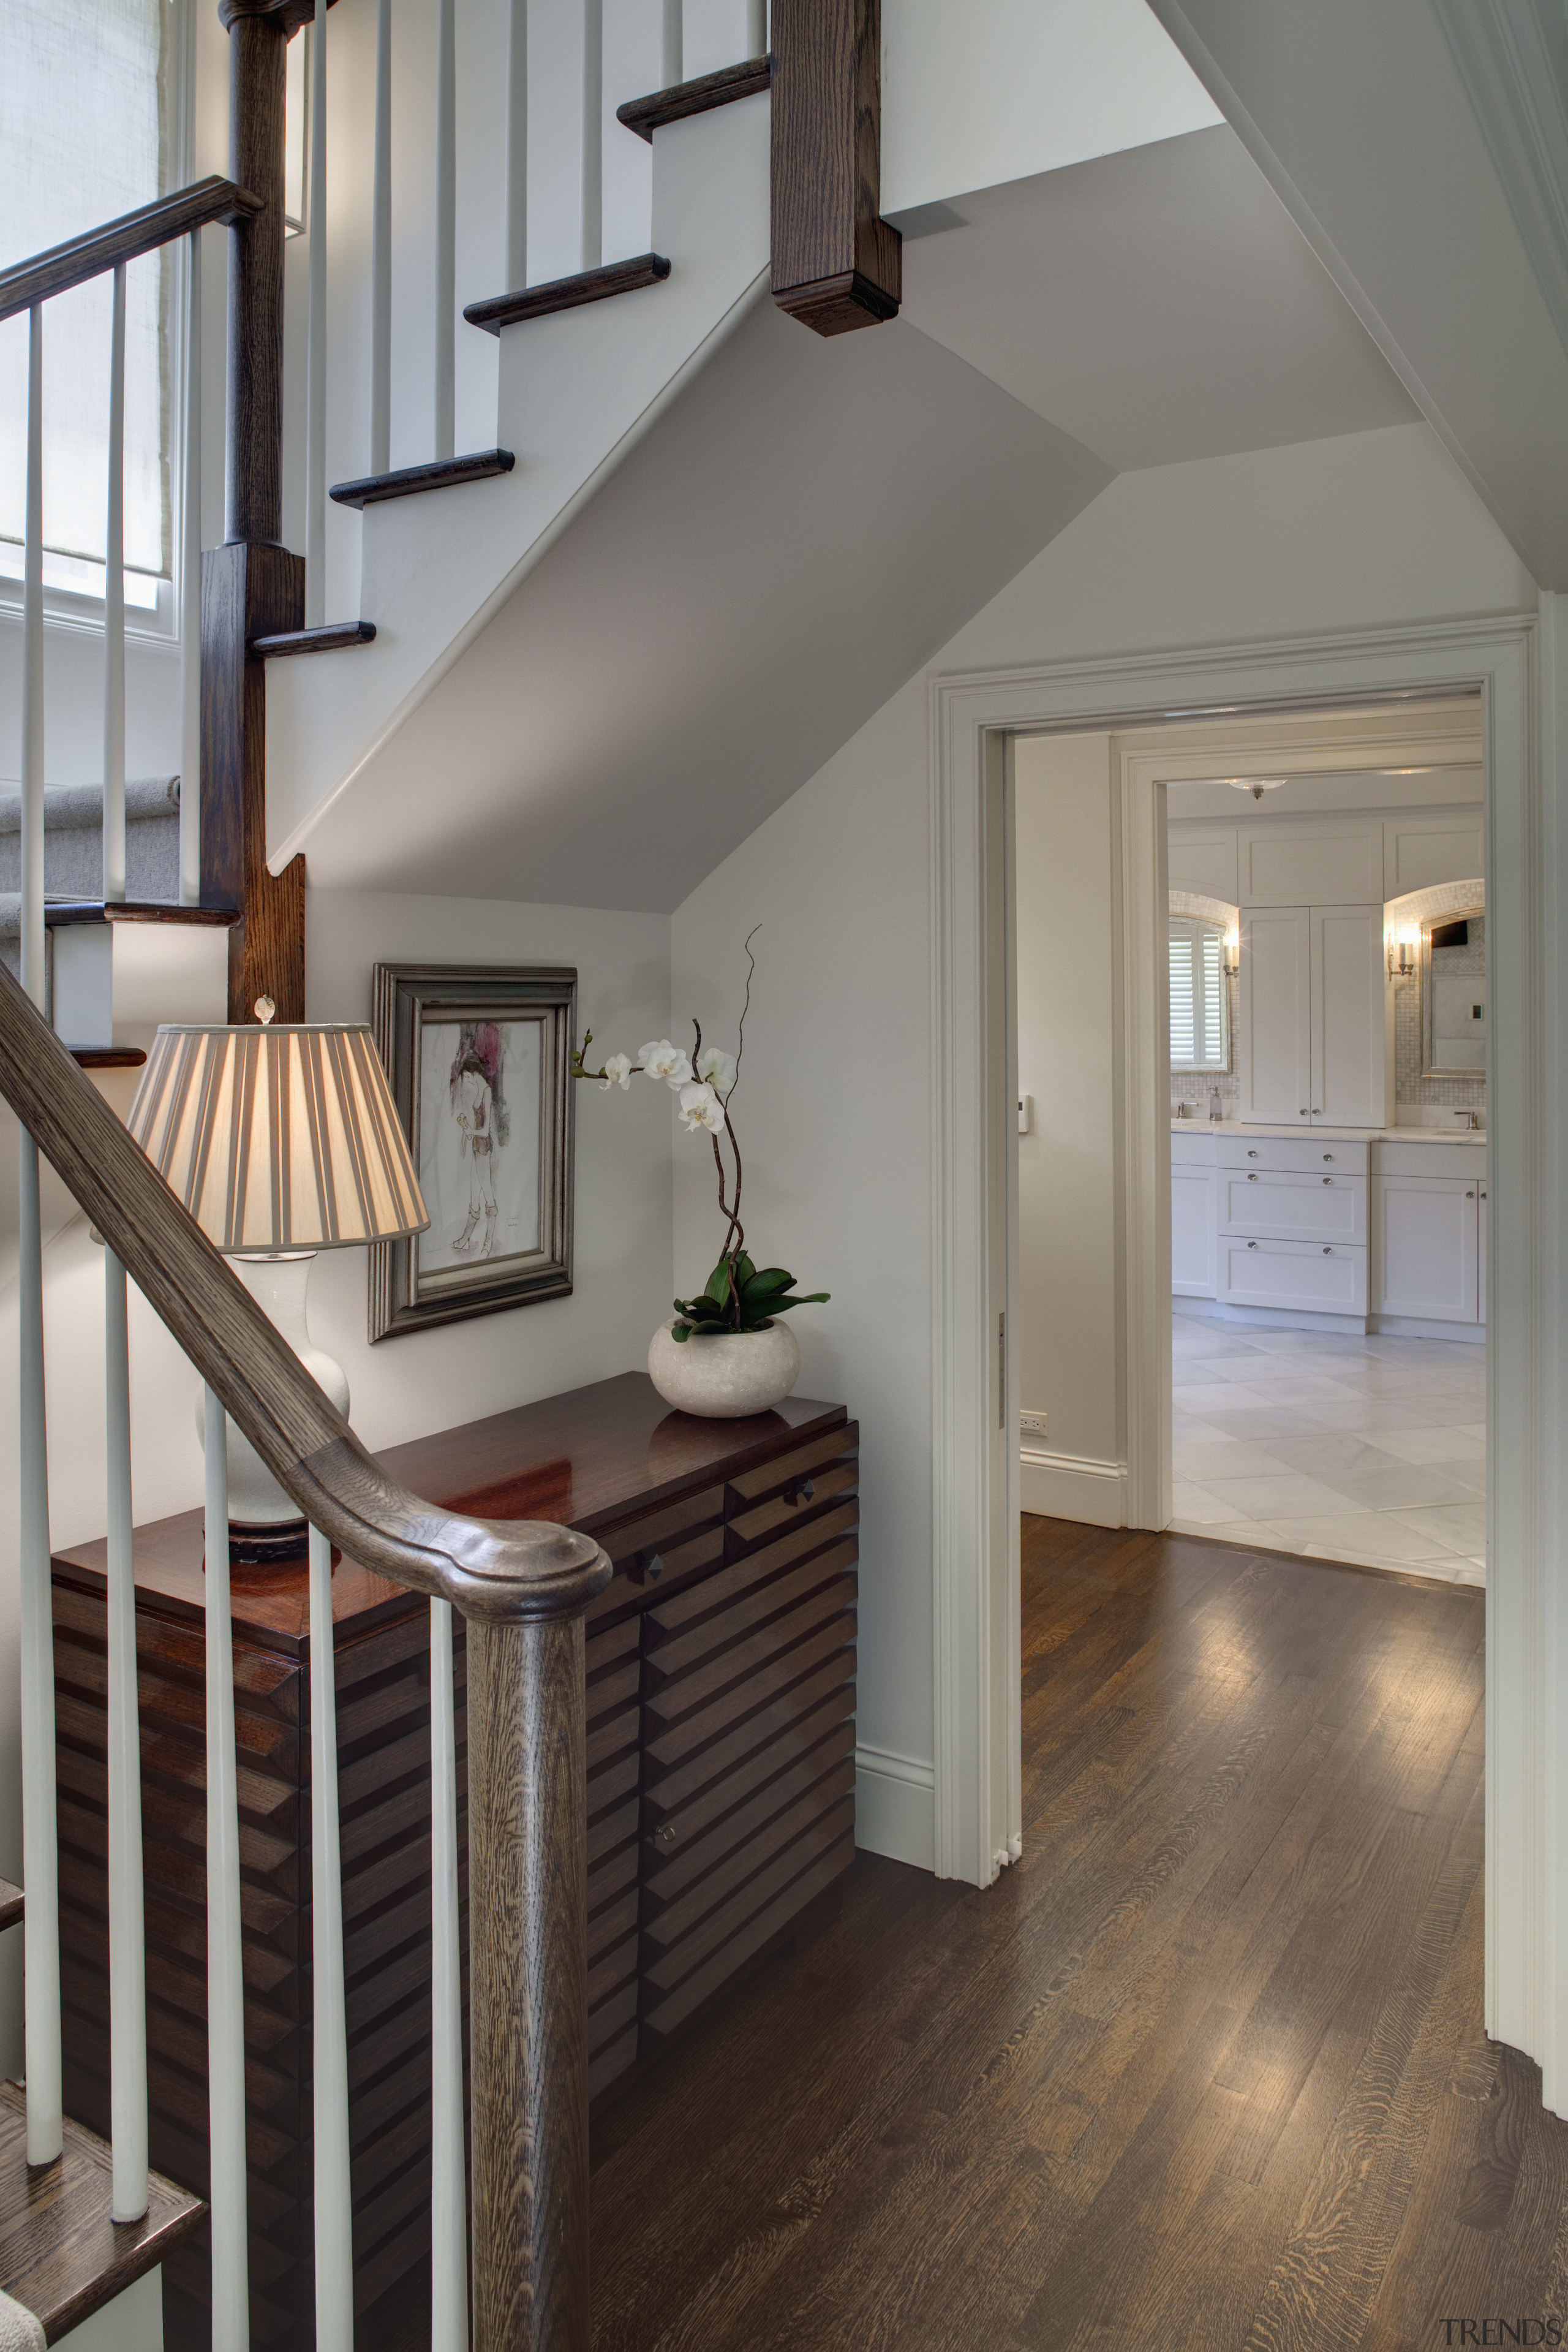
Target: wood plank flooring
{"points": [[1205, 2068]]}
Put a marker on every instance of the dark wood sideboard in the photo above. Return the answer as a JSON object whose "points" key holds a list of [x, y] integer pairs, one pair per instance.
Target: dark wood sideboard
{"points": [[721, 1667]]}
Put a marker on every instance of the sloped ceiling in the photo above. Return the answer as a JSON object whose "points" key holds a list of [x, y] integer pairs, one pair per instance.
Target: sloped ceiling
{"points": [[788, 544]]}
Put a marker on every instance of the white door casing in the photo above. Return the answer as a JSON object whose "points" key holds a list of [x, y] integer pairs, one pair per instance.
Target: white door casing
{"points": [[975, 1593]]}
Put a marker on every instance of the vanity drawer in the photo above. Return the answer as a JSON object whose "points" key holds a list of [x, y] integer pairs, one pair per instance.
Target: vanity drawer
{"points": [[1295, 1155], [1191, 1151], [770, 1478], [1319, 1278], [1325, 1207], [812, 1489], [1466, 1160]]}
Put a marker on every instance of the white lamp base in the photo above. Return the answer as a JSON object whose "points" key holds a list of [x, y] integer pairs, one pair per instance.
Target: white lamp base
{"points": [[264, 1522]]}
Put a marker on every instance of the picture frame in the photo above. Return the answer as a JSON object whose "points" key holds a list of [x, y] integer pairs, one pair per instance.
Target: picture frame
{"points": [[478, 1058]]}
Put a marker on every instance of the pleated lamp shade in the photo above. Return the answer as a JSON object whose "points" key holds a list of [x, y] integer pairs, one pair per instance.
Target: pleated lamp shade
{"points": [[279, 1138]]}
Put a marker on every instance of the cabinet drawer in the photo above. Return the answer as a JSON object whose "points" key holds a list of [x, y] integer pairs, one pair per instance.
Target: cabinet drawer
{"points": [[677, 1527], [811, 1490], [770, 1478], [759, 1664], [1294, 1155], [1326, 1206], [825, 1670], [678, 1856], [819, 1873], [1464, 1160], [718, 1926], [1319, 1278], [721, 1607], [693, 1799], [1191, 1151], [671, 1922]]}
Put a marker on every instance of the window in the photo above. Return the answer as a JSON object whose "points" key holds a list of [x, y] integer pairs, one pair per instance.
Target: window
{"points": [[1200, 1027], [84, 134]]}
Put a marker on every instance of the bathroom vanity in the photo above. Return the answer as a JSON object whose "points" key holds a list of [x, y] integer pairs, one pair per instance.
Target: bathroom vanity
{"points": [[1348, 1229]]}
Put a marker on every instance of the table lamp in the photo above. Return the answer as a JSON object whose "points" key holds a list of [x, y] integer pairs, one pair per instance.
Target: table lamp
{"points": [[280, 1140]]}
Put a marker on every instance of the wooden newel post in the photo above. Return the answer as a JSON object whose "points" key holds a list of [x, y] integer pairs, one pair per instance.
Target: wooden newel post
{"points": [[252, 587], [527, 1925]]}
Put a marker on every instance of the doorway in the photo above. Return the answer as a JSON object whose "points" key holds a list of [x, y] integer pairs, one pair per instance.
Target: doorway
{"points": [[977, 1472]]}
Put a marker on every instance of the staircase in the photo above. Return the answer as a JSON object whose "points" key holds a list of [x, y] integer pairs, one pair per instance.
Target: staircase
{"points": [[764, 180]]}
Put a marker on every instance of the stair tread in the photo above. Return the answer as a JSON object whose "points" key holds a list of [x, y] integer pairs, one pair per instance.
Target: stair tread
{"points": [[567, 293], [645, 115], [59, 913], [10, 1904], [406, 481], [326, 640], [61, 2255], [149, 800]]}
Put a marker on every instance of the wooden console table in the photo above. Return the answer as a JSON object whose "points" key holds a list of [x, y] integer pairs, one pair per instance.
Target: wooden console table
{"points": [[721, 1793]]}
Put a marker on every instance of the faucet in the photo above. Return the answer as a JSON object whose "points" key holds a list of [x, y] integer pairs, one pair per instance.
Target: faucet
{"points": [[1471, 1120], [1184, 1110]]}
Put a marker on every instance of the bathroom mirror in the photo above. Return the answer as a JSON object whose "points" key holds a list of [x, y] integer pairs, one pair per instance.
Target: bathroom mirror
{"points": [[1454, 995], [1200, 1000]]}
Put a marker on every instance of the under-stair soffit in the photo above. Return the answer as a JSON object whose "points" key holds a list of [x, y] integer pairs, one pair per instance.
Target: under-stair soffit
{"points": [[1159, 305], [1362, 119], [790, 543]]}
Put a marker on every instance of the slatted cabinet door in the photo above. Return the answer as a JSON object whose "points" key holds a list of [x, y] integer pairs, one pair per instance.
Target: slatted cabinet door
{"points": [[749, 1736]]}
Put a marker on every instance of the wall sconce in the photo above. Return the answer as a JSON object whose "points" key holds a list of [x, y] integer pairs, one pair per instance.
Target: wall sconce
{"points": [[1230, 953], [1403, 953]]}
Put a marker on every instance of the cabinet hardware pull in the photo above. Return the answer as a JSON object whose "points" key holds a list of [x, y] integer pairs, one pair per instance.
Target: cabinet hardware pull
{"points": [[650, 1567], [801, 1490], [663, 1836], [1251, 1155], [1327, 1252], [1300, 1114], [1251, 1179], [1328, 1179], [1251, 1244], [1469, 1196], [1483, 1196], [1327, 1156]]}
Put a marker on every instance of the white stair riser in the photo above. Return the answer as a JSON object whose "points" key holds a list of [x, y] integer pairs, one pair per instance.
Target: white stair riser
{"points": [[114, 983]]}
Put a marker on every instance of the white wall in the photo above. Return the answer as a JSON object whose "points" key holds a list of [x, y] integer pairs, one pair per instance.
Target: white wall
{"points": [[1372, 530], [1069, 1179]]}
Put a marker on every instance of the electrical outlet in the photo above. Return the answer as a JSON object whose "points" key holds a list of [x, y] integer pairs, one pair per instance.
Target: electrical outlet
{"points": [[1031, 1424]]}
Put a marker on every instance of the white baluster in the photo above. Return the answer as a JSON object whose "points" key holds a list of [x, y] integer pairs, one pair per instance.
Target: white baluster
{"points": [[757, 29], [315, 351], [381, 252], [518, 149], [33, 949], [328, 2035], [41, 1931], [449, 2201], [114, 610], [592, 133], [673, 70], [445, 225], [127, 1962], [225, 1975], [191, 592]]}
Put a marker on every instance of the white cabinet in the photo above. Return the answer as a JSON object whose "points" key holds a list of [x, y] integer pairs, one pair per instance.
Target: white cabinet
{"points": [[1276, 1015], [1428, 1255], [1311, 1207], [1192, 1232], [1317, 1038]]}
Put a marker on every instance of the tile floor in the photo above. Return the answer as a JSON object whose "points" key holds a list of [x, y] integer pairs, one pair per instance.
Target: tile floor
{"points": [[1371, 1450]]}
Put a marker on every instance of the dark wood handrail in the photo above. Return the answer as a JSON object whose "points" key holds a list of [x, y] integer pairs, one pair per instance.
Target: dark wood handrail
{"points": [[142, 231], [506, 1571]]}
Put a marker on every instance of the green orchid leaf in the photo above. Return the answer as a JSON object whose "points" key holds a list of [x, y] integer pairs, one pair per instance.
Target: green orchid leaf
{"points": [[718, 1282], [744, 1270], [765, 1285], [680, 1330], [807, 1298]]}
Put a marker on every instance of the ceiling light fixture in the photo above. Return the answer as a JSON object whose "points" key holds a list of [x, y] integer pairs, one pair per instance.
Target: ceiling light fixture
{"points": [[1255, 785]]}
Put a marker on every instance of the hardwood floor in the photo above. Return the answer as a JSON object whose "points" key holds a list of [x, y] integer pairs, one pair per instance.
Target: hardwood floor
{"points": [[1205, 2068]]}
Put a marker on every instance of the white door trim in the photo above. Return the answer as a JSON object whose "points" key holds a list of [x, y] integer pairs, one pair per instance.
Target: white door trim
{"points": [[975, 1468]]}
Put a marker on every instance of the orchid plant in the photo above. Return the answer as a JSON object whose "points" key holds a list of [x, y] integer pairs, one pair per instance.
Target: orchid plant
{"points": [[739, 1297]]}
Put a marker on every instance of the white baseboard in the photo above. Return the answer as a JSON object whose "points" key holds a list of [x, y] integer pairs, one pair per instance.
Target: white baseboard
{"points": [[895, 1806], [1066, 1487]]}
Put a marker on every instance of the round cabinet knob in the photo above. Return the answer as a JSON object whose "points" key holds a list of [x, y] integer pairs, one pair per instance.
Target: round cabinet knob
{"points": [[1327, 1252], [1251, 1179], [1251, 1155], [650, 1567], [1300, 1114], [802, 1491], [1469, 1196], [664, 1837], [1327, 1156]]}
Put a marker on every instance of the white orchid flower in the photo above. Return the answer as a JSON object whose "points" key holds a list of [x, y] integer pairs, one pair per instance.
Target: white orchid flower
{"points": [[717, 1067], [663, 1060], [617, 1072], [701, 1107]]}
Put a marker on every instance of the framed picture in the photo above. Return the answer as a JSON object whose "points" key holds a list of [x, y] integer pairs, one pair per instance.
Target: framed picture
{"points": [[479, 1061]]}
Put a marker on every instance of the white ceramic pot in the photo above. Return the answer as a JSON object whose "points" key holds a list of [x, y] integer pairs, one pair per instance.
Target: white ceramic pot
{"points": [[725, 1378]]}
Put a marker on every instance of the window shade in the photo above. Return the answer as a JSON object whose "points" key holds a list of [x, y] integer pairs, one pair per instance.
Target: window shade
{"points": [[84, 136], [1198, 1039]]}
